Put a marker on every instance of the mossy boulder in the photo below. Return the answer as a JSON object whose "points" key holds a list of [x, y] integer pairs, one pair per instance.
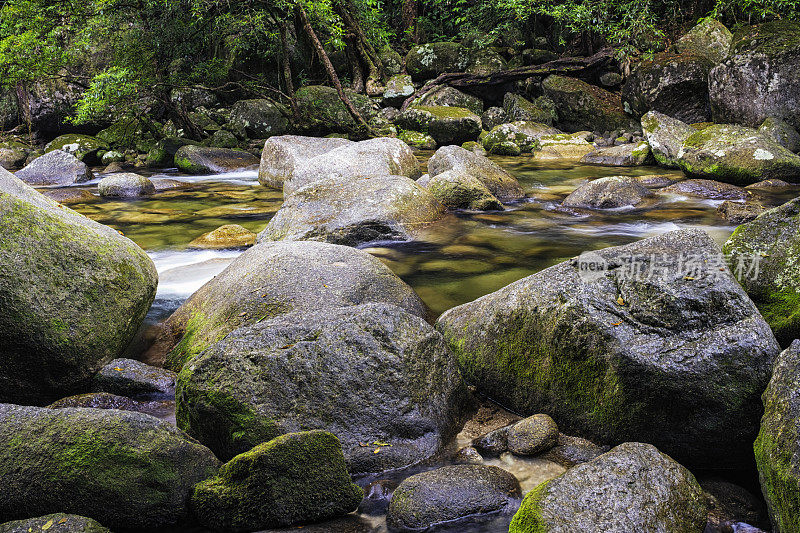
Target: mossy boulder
{"points": [[134, 378], [782, 133], [452, 495], [429, 60], [525, 135], [737, 155], [533, 435], [283, 154], [55, 168], [293, 479], [418, 140], [126, 470], [193, 159], [127, 133], [777, 447], [493, 117], [666, 136], [771, 243], [74, 293], [505, 148], [624, 155], [672, 355], [347, 211], [370, 374], [280, 278], [54, 523], [13, 155], [322, 110], [447, 125], [225, 237], [461, 190], [740, 212], [563, 147], [633, 487], [541, 110], [709, 39], [450, 97], [163, 153], [759, 78], [613, 192], [125, 185], [676, 85], [105, 400], [499, 181], [582, 106], [708, 189], [398, 88], [83, 147], [223, 139], [259, 118]]}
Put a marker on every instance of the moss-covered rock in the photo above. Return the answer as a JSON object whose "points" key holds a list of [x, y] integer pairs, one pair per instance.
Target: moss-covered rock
{"points": [[418, 140], [525, 135], [656, 351], [533, 435], [493, 117], [225, 237], [54, 523], [163, 153], [450, 97], [82, 147], [772, 243], [452, 495], [582, 106], [193, 159], [127, 133], [283, 154], [55, 168], [293, 479], [500, 182], [134, 378], [612, 192], [370, 374], [759, 78], [429, 60], [259, 118], [777, 447], [541, 110], [398, 88], [782, 133], [737, 155], [709, 39], [125, 185], [105, 400], [74, 293], [124, 469], [484, 61], [280, 278], [447, 125], [461, 190], [634, 487], [322, 110], [563, 147], [223, 139], [666, 136], [624, 155]]}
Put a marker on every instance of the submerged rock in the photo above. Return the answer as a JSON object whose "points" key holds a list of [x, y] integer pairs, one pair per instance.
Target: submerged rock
{"points": [[55, 168], [608, 193], [126, 470], [125, 185], [54, 523], [374, 375], [206, 160], [498, 180], [652, 341], [666, 136], [450, 495], [295, 478], [461, 190], [447, 125], [285, 153], [74, 294], [634, 487], [225, 237]]}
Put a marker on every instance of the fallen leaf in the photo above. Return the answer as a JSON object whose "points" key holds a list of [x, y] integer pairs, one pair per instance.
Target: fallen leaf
{"points": [[617, 324], [688, 278], [118, 369], [620, 301], [243, 314], [376, 450], [48, 525], [379, 443], [62, 521]]}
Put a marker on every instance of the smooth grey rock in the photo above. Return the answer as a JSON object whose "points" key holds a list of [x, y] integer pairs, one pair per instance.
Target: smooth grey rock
{"points": [[55, 168], [499, 181], [283, 154], [613, 192]]}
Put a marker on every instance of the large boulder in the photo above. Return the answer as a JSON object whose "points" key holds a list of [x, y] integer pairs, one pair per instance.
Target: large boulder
{"points": [[777, 448], [613, 192], [398, 89], [447, 125], [782, 133], [526, 135], [563, 147], [322, 110], [355, 211], [163, 153], [281, 277], [73, 293], [452, 495], [294, 478], [624, 155], [759, 78], [207, 160], [54, 523], [653, 341], [450, 97], [125, 185], [707, 189], [541, 110], [709, 39], [55, 168], [498, 180], [676, 85], [666, 136], [126, 470], [737, 155], [375, 157], [371, 374], [259, 118], [83, 147], [283, 154], [633, 487], [461, 190], [429, 60], [582, 106], [765, 254]]}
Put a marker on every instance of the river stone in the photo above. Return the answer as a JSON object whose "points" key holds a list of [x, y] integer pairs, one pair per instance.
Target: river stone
{"points": [[259, 118], [126, 470], [676, 85], [355, 211], [494, 443], [374, 375], [125, 185], [447, 125], [492, 117], [460, 190], [383, 156], [709, 39], [54, 523], [676, 355], [418, 140], [570, 451], [13, 155], [736, 155], [666, 136], [582, 106], [283, 154], [207, 160], [657, 181], [73, 293], [225, 237], [450, 97], [498, 180], [739, 212], [624, 155], [611, 192], [134, 378], [294, 478], [533, 435], [55, 168], [759, 78], [83, 147], [563, 147], [104, 400], [708, 189], [541, 110], [526, 135], [163, 153], [280, 277], [70, 196], [634, 487], [450, 495], [777, 448], [398, 88], [782, 133], [322, 110], [486, 61], [771, 243], [429, 60]]}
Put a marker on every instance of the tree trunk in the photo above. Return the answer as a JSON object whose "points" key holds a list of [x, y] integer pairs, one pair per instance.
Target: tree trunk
{"points": [[357, 71], [409, 20], [366, 53], [287, 75]]}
